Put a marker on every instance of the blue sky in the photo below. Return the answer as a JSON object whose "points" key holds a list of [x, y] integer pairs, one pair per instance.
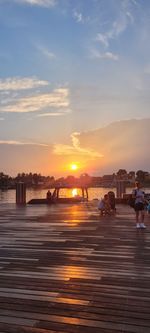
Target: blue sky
{"points": [[71, 66]]}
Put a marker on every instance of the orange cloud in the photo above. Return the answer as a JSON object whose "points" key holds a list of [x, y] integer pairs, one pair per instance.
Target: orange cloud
{"points": [[75, 149]]}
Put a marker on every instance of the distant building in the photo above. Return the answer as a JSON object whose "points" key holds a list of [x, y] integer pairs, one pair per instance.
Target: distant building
{"points": [[147, 176], [108, 178], [96, 181]]}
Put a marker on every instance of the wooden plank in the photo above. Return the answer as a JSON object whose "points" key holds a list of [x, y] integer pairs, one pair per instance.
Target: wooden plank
{"points": [[67, 270]]}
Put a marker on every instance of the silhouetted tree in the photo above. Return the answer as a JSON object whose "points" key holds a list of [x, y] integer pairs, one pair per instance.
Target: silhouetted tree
{"points": [[121, 173], [140, 175]]}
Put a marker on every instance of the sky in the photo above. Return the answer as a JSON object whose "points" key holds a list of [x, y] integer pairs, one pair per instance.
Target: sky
{"points": [[68, 68]]}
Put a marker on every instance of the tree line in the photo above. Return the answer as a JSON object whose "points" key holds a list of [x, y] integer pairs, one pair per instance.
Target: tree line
{"points": [[38, 180]]}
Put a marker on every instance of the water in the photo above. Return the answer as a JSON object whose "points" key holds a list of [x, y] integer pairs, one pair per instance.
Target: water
{"points": [[9, 196]]}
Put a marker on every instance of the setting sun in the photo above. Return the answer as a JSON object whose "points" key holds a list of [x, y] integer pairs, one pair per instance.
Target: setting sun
{"points": [[74, 167]]}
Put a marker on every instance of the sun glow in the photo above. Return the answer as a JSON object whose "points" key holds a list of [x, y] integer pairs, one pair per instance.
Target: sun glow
{"points": [[74, 166], [74, 192]]}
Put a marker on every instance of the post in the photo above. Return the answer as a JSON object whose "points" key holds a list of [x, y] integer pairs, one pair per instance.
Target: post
{"points": [[21, 193], [120, 188]]}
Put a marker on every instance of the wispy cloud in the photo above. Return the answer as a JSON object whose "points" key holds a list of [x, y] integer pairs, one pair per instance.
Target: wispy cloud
{"points": [[103, 38], [106, 55], [59, 98], [118, 27], [130, 2], [50, 114], [61, 112], [18, 83], [18, 143], [124, 18], [42, 3], [75, 149], [47, 53], [130, 16], [78, 16]]}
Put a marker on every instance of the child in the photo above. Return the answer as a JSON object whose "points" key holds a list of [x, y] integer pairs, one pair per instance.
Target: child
{"points": [[104, 206]]}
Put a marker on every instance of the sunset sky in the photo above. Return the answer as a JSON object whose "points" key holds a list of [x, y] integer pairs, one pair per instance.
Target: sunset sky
{"points": [[69, 67]]}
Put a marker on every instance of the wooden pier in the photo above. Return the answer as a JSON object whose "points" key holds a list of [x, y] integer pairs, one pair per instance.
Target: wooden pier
{"points": [[64, 269]]}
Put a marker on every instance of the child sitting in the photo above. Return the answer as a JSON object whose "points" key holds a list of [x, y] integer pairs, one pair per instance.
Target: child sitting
{"points": [[104, 206]]}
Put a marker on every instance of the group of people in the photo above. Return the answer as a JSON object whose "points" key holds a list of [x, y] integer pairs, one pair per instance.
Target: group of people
{"points": [[107, 205]]}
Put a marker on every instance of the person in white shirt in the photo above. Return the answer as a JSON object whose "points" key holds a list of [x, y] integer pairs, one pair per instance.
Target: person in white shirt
{"points": [[139, 197]]}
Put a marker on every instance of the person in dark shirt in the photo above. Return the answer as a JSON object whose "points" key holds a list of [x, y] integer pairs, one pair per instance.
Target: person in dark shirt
{"points": [[48, 196]]}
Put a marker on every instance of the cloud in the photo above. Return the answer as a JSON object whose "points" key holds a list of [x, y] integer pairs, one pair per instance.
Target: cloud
{"points": [[124, 17], [58, 113], [106, 55], [41, 3], [78, 17], [50, 114], [1, 119], [48, 54], [118, 27], [75, 149], [132, 2], [59, 98], [18, 143], [130, 17], [103, 39], [17, 83]]}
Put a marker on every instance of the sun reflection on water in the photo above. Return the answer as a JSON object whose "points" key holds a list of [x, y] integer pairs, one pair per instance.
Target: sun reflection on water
{"points": [[74, 192]]}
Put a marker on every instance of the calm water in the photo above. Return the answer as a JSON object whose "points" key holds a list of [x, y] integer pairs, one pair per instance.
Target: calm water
{"points": [[9, 196]]}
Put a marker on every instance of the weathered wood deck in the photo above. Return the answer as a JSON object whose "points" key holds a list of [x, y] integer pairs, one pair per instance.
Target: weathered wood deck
{"points": [[64, 269]]}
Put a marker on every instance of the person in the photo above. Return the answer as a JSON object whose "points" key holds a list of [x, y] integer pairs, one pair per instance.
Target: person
{"points": [[139, 206], [148, 207], [48, 196], [104, 206], [112, 201]]}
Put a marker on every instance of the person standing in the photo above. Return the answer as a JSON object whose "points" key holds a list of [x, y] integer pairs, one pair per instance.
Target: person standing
{"points": [[139, 206], [49, 196]]}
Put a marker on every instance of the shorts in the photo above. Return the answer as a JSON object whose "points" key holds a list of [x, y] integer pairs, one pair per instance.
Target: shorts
{"points": [[139, 206]]}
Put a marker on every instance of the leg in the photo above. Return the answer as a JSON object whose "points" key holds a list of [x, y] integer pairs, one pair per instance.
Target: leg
{"points": [[137, 213], [137, 216], [142, 225], [142, 216]]}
